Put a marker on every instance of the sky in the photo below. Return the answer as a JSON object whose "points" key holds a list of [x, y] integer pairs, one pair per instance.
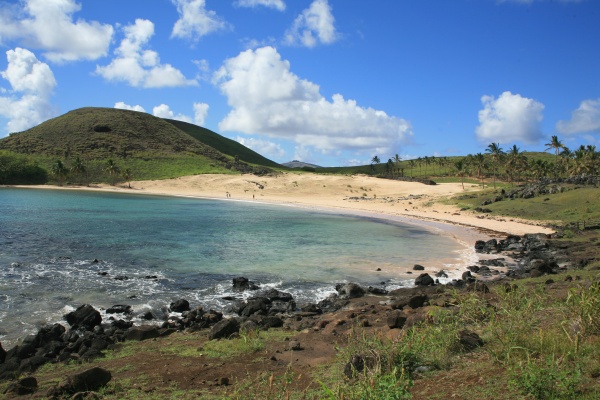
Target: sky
{"points": [[329, 82]]}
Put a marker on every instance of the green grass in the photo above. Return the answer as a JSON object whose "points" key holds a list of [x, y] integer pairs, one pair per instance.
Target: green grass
{"points": [[573, 205], [151, 147]]}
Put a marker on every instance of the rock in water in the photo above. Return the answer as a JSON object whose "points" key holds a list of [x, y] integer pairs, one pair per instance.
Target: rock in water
{"points": [[180, 305], [424, 280], [85, 317]]}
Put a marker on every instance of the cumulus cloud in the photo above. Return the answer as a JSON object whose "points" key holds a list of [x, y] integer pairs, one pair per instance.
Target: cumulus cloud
{"points": [[585, 119], [200, 113], [48, 25], [510, 118], [195, 20], [32, 82], [264, 147], [276, 4], [138, 66], [313, 26], [267, 98], [164, 111], [121, 105]]}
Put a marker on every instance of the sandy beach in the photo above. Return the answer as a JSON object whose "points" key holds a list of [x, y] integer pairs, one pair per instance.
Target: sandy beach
{"points": [[358, 194]]}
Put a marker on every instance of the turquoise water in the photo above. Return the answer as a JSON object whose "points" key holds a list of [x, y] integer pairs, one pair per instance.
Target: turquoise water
{"points": [[59, 249]]}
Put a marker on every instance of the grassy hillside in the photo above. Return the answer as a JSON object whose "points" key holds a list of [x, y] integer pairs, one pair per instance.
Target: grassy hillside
{"points": [[99, 133], [150, 147], [223, 144]]}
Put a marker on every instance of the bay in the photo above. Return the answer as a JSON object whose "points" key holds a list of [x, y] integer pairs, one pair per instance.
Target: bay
{"points": [[60, 249]]}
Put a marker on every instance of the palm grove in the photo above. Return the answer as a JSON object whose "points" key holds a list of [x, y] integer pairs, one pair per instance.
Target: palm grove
{"points": [[512, 165]]}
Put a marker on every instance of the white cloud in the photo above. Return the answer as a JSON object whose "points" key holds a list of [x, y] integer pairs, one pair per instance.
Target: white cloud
{"points": [[264, 147], [164, 111], [140, 67], [32, 82], [315, 24], [121, 105], [276, 4], [510, 118], [195, 20], [269, 99], [200, 113], [48, 25], [585, 119]]}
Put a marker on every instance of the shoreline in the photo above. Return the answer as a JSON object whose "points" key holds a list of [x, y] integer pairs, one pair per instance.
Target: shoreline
{"points": [[404, 202]]}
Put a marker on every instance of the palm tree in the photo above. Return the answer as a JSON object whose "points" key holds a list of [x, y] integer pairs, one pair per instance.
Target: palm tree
{"points": [[112, 169], [480, 164], [496, 154], [59, 171], [397, 161], [374, 161], [78, 168], [556, 145], [461, 170], [411, 165], [128, 176], [565, 160], [515, 162]]}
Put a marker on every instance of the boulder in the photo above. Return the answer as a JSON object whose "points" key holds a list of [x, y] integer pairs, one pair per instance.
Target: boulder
{"points": [[119, 309], [396, 319], [441, 274], [224, 329], [254, 306], [418, 267], [350, 291], [241, 284], [22, 387], [276, 295], [143, 332], [424, 280], [417, 301], [468, 341], [89, 380], [84, 317], [180, 305]]}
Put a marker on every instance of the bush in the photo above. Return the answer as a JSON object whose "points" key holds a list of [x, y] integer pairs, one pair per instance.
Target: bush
{"points": [[17, 169]]}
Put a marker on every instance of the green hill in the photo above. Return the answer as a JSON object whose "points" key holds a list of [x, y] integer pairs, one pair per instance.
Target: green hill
{"points": [[223, 144], [151, 147]]}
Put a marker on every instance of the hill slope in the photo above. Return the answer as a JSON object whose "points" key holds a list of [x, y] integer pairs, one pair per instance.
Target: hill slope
{"points": [[223, 144], [148, 146], [106, 132]]}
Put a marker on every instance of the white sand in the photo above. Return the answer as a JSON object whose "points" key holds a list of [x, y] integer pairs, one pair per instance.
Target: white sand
{"points": [[408, 201]]}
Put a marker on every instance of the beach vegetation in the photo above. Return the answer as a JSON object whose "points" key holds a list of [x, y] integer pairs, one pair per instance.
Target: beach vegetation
{"points": [[19, 169]]}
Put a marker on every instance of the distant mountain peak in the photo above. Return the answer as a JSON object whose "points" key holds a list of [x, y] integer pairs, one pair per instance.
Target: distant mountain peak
{"points": [[299, 164]]}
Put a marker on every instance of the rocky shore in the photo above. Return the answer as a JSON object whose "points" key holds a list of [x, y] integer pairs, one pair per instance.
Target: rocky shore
{"points": [[88, 335]]}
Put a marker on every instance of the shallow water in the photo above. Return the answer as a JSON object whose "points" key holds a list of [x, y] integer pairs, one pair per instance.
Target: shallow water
{"points": [[60, 249]]}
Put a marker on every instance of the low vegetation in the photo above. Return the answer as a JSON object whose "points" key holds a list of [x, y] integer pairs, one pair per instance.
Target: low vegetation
{"points": [[75, 147]]}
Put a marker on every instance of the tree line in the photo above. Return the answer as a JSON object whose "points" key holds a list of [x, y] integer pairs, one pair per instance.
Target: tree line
{"points": [[511, 165], [81, 173]]}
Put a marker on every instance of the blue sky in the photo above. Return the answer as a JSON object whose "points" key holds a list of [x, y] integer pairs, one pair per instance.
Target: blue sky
{"points": [[332, 82]]}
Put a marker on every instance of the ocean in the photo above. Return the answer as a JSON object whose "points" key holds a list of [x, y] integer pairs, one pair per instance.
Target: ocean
{"points": [[60, 249]]}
